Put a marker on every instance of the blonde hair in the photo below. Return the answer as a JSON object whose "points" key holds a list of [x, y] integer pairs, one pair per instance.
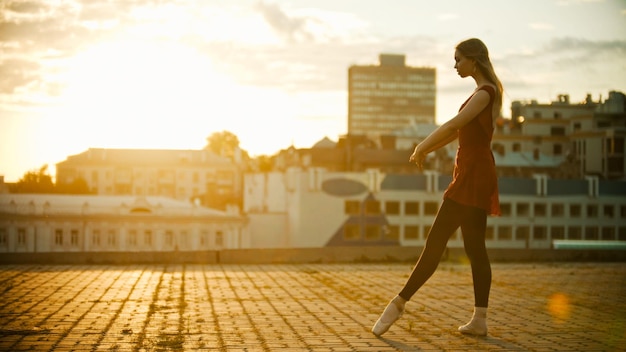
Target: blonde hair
{"points": [[476, 50]]}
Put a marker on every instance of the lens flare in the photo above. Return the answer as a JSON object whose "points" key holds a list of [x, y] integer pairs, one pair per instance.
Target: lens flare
{"points": [[559, 307]]}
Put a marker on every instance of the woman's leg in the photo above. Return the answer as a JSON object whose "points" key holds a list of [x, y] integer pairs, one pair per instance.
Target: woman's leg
{"points": [[446, 222], [473, 228], [448, 219]]}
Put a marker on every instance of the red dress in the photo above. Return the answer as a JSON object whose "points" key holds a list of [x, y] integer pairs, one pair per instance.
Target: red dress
{"points": [[474, 180]]}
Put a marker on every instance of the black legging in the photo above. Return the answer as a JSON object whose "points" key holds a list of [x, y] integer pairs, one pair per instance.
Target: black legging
{"points": [[473, 223]]}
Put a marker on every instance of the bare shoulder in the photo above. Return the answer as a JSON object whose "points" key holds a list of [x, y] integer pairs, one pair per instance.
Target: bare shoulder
{"points": [[486, 87]]}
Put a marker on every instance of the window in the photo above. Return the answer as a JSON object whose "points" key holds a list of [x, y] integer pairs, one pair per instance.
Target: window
{"points": [[557, 131], [392, 208], [505, 233], [411, 208], [132, 237], [517, 147], [21, 236], [58, 237], [169, 238], [4, 240], [540, 233], [183, 239], [219, 239], [411, 232], [608, 233], [147, 238], [74, 238], [558, 210], [505, 209], [352, 207], [591, 233], [622, 211], [557, 149], [621, 233], [523, 209], [574, 233], [95, 239], [558, 232], [522, 233], [204, 238], [392, 232], [372, 232], [111, 238], [372, 207], [430, 208], [574, 210], [608, 211], [592, 211], [540, 209]]}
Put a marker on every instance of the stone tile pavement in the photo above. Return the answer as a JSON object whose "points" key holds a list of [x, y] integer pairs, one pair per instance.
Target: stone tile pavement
{"points": [[306, 307]]}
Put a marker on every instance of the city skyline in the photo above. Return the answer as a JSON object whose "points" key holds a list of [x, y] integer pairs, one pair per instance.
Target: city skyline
{"points": [[79, 75]]}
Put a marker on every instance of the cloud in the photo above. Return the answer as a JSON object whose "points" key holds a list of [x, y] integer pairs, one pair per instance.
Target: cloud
{"points": [[293, 29], [17, 73], [568, 44]]}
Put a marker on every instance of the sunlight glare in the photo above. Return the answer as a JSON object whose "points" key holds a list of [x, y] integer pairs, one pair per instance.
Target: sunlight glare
{"points": [[163, 95], [559, 307]]}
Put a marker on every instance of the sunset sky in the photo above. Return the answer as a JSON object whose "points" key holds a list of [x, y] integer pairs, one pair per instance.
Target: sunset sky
{"points": [[165, 74]]}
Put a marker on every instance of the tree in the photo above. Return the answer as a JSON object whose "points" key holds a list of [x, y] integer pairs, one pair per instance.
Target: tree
{"points": [[35, 181], [223, 143], [78, 186], [264, 163]]}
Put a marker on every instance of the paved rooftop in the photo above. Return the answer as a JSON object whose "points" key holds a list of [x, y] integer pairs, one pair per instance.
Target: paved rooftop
{"points": [[306, 307]]}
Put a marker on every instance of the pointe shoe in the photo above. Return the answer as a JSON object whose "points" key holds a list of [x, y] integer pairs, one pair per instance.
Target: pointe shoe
{"points": [[392, 312], [478, 324], [474, 327]]}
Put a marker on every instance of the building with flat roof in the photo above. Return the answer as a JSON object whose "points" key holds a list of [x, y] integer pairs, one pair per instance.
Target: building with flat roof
{"points": [[390, 96], [44, 223], [318, 208], [586, 138], [180, 174]]}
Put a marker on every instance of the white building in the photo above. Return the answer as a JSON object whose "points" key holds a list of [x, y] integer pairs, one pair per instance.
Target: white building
{"points": [[315, 208], [39, 223]]}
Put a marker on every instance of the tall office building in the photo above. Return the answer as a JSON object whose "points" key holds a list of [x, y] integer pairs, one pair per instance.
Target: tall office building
{"points": [[390, 96]]}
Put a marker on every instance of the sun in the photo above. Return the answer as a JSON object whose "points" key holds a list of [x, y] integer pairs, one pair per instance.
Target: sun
{"points": [[148, 94]]}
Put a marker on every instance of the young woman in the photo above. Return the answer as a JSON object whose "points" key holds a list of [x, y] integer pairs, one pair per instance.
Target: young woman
{"points": [[472, 194]]}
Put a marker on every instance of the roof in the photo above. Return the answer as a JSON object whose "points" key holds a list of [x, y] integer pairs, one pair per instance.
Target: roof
{"points": [[46, 204], [99, 156], [526, 159], [325, 143]]}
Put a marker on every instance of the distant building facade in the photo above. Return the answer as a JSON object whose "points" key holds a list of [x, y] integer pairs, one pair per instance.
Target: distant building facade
{"points": [[42, 223], [316, 208], [180, 174], [389, 96], [564, 139]]}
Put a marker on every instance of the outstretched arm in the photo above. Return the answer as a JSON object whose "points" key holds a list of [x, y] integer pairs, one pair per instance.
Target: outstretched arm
{"points": [[448, 132]]}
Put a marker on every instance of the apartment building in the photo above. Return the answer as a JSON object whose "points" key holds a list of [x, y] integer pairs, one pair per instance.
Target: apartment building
{"points": [[585, 138], [179, 174], [389, 96]]}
